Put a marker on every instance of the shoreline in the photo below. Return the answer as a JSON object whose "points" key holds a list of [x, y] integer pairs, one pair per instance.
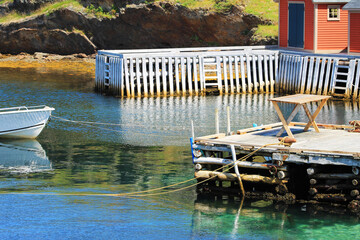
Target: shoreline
{"points": [[75, 62]]}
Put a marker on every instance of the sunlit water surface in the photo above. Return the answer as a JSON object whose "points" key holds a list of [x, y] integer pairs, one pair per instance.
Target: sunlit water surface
{"points": [[146, 147]]}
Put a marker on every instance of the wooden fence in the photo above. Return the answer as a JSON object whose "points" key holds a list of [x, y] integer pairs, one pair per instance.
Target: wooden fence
{"points": [[186, 71], [336, 75], [226, 70]]}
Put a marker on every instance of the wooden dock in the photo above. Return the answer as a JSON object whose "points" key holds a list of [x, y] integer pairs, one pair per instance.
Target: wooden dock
{"points": [[225, 70], [322, 166]]}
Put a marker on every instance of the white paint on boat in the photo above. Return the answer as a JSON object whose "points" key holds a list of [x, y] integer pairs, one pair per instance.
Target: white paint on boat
{"points": [[23, 122]]}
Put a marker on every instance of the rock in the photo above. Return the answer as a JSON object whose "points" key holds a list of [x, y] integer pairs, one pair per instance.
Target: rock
{"points": [[50, 41], [156, 25]]}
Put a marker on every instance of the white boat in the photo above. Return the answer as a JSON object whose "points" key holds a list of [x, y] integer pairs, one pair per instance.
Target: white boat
{"points": [[23, 122]]}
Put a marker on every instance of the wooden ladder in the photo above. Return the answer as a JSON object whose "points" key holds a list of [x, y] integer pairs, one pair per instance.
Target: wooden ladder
{"points": [[342, 77], [107, 73], [210, 72]]}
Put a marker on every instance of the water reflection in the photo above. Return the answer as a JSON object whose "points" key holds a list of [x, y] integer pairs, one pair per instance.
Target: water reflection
{"points": [[260, 219], [23, 156]]}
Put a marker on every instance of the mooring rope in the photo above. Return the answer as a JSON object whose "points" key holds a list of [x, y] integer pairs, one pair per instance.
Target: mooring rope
{"points": [[149, 192]]}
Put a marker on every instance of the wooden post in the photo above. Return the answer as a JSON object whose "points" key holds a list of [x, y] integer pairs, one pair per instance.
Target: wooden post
{"points": [[195, 75], [151, 76], [164, 75], [177, 78], [171, 76], [236, 64], [225, 76], [138, 84], [145, 75], [243, 74], [188, 67]]}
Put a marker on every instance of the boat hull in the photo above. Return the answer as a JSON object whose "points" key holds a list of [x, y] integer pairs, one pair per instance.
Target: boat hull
{"points": [[23, 123]]}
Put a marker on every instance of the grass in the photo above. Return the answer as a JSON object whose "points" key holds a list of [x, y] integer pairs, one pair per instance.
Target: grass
{"points": [[46, 9], [267, 31], [5, 1], [266, 9]]}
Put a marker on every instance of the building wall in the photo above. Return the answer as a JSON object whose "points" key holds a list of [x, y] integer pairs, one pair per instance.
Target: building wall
{"points": [[331, 35], [355, 32], [309, 23]]}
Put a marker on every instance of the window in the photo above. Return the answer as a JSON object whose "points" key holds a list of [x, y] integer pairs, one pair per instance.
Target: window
{"points": [[333, 12]]}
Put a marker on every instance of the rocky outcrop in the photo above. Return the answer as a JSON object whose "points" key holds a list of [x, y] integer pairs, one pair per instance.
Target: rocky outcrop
{"points": [[155, 25], [51, 41]]}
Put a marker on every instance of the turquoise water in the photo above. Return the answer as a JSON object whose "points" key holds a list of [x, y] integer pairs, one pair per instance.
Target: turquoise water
{"points": [[147, 148]]}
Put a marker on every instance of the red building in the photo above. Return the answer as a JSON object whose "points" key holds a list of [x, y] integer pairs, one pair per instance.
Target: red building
{"points": [[353, 7], [319, 26]]}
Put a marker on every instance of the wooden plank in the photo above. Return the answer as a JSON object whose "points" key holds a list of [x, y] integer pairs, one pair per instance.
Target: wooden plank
{"points": [[164, 75], [298, 74], [357, 79], [282, 119], [248, 72], [299, 98], [127, 78], [225, 75], [310, 75], [138, 83], [276, 68], [195, 74], [272, 72], [151, 76], [243, 74], [350, 80], [157, 76], [321, 77], [177, 78], [188, 70], [171, 76], [255, 80], [231, 75], [316, 76], [237, 81], [264, 127], [303, 75], [132, 77], [218, 67], [284, 73], [327, 77], [260, 72], [266, 72], [332, 79], [183, 77], [202, 74], [290, 118], [323, 125], [144, 76], [311, 119]]}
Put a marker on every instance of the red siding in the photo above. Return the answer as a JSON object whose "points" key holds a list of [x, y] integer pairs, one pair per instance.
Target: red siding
{"points": [[309, 23], [354, 32], [332, 35]]}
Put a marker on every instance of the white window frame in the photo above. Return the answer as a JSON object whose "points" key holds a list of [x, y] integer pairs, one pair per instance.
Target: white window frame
{"points": [[338, 12]]}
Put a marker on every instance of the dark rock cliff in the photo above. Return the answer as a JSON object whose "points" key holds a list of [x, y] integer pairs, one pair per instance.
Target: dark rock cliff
{"points": [[155, 25]]}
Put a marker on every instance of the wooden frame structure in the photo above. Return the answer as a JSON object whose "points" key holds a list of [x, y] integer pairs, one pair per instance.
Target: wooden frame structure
{"points": [[300, 100]]}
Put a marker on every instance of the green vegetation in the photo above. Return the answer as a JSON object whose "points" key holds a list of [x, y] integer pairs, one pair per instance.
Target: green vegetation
{"points": [[100, 13], [5, 1], [266, 9], [46, 9], [267, 31]]}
